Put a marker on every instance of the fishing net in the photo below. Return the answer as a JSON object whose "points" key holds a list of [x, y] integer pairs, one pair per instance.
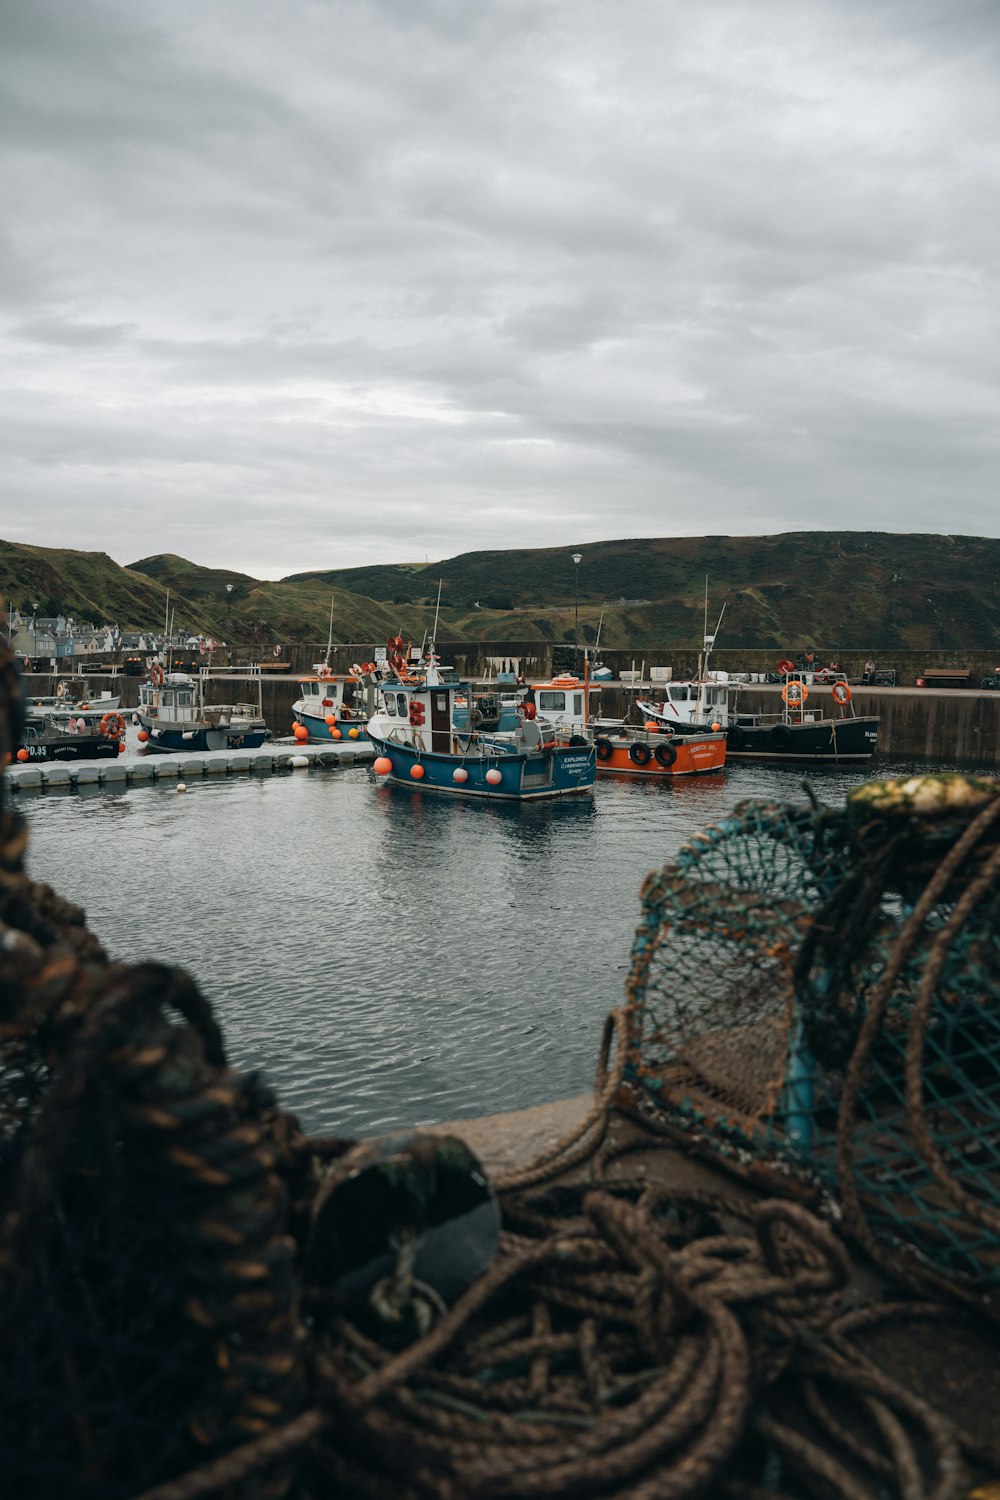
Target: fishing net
{"points": [[813, 999]]}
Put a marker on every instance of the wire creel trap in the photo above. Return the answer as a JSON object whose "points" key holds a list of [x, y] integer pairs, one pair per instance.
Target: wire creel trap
{"points": [[814, 998]]}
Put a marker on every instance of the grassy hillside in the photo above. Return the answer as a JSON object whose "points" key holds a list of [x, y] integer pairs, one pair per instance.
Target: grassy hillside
{"points": [[837, 590], [840, 588]]}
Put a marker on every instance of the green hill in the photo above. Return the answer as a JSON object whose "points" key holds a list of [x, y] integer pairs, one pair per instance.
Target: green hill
{"points": [[840, 590]]}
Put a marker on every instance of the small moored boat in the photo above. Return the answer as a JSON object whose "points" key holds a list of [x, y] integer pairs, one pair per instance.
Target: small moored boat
{"points": [[73, 736], [332, 706], [175, 715]]}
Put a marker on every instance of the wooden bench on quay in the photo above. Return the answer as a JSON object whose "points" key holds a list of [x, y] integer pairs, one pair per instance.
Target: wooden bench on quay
{"points": [[957, 677]]}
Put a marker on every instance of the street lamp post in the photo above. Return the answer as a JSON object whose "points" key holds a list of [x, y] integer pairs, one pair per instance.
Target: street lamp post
{"points": [[577, 559], [229, 620], [34, 636]]}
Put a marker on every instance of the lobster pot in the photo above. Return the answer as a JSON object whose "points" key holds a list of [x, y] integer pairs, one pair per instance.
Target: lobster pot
{"points": [[813, 997]]}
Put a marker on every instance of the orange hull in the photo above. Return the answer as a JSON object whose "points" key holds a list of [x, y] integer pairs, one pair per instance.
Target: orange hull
{"points": [[683, 755]]}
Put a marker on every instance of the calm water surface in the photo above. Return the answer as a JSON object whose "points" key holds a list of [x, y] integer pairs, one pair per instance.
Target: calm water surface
{"points": [[388, 958]]}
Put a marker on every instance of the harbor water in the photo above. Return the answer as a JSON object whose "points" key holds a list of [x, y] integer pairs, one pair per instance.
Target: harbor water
{"points": [[389, 958]]}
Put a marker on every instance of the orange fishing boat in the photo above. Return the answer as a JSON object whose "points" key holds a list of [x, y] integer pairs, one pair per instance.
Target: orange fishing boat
{"points": [[648, 752]]}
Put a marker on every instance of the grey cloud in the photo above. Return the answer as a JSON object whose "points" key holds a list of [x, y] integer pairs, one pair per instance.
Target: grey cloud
{"points": [[495, 274]]}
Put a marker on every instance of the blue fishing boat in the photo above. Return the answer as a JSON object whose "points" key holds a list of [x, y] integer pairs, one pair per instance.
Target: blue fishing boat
{"points": [[420, 741], [331, 706]]}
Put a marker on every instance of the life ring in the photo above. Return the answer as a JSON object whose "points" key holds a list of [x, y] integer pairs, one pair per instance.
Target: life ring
{"points": [[604, 749], [639, 754], [785, 667], [841, 692], [276, 652], [156, 674], [781, 736], [665, 753], [113, 726], [795, 692]]}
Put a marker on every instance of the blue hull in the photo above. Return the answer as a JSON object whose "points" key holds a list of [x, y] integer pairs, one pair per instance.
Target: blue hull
{"points": [[558, 771], [319, 729], [169, 740]]}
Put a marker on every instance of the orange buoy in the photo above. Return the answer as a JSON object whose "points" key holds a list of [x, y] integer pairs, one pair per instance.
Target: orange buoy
{"points": [[22, 754], [493, 776], [300, 731], [331, 719], [417, 771], [716, 727], [460, 774], [651, 724], [382, 766], [143, 735], [353, 734], [121, 747]]}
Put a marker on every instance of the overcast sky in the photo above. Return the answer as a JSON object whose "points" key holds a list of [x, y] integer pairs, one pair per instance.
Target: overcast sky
{"points": [[291, 284]]}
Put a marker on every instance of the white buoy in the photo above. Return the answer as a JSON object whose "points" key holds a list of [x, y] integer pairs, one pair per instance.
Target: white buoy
{"points": [[181, 787], [298, 761]]}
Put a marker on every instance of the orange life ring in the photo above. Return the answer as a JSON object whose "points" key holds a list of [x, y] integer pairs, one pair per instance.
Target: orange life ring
{"points": [[841, 692], [795, 692], [113, 726], [156, 674]]}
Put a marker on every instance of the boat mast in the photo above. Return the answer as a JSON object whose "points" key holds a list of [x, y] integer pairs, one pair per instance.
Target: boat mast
{"points": [[329, 637]]}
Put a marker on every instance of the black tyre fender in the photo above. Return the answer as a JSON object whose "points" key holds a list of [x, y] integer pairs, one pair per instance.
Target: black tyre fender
{"points": [[665, 753], [639, 754], [781, 736], [735, 738], [604, 749]]}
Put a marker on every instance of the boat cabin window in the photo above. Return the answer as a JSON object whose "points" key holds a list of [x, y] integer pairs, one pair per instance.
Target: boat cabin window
{"points": [[679, 694], [440, 703], [312, 689], [550, 702]]}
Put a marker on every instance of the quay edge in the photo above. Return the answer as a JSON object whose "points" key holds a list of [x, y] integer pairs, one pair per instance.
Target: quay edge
{"points": [[939, 725]]}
